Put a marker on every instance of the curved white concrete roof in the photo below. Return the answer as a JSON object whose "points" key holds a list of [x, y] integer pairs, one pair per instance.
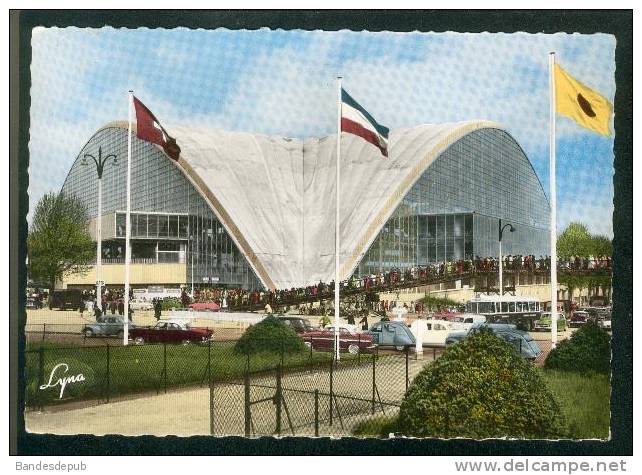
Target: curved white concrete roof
{"points": [[276, 196]]}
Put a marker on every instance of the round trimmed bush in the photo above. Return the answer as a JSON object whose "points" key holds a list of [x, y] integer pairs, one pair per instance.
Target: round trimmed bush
{"points": [[588, 350], [269, 335], [480, 388]]}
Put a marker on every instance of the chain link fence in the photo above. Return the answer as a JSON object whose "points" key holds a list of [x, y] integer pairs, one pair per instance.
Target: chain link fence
{"points": [[308, 392]]}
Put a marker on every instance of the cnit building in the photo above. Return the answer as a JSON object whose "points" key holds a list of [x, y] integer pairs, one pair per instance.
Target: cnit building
{"points": [[248, 210]]}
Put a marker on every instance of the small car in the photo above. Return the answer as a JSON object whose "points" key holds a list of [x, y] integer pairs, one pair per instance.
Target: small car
{"points": [[392, 333], [33, 302], [106, 326], [206, 306], [343, 327], [522, 341], [432, 332], [544, 323], [579, 318], [351, 342], [298, 324], [605, 323], [169, 332]]}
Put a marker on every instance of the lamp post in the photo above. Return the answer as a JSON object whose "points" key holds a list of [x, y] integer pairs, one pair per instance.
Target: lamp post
{"points": [[100, 163], [501, 233]]}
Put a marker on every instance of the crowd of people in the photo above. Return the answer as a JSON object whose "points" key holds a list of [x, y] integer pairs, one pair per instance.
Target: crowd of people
{"points": [[112, 300], [382, 281]]}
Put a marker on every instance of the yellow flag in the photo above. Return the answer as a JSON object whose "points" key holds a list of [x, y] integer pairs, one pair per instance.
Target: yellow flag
{"points": [[581, 103]]}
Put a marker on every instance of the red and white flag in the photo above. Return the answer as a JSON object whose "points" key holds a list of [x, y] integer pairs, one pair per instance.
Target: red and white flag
{"points": [[356, 120], [149, 129]]}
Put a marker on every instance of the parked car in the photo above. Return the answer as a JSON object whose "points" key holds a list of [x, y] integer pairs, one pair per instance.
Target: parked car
{"points": [[33, 302], [298, 324], [605, 323], [139, 304], [522, 341], [392, 333], [169, 332], [68, 299], [544, 323], [352, 342], [579, 318], [106, 326], [466, 320], [205, 306], [343, 327], [432, 332]]}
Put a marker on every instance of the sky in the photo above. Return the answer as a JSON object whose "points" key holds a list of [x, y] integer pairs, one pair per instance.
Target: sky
{"points": [[278, 82]]}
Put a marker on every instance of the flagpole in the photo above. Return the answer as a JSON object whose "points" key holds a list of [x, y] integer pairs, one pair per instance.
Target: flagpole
{"points": [[553, 195], [337, 282], [127, 219]]}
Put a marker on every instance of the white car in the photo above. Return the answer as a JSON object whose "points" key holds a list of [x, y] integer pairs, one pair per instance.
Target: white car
{"points": [[432, 332], [605, 324], [139, 304], [466, 320]]}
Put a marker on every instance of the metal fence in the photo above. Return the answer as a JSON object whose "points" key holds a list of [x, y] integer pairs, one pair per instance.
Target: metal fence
{"points": [[306, 392]]}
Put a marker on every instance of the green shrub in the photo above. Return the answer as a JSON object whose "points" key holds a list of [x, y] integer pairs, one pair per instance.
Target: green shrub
{"points": [[589, 349], [170, 303], [269, 335], [480, 388]]}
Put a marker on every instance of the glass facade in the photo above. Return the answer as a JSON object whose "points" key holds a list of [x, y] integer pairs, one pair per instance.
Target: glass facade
{"points": [[453, 210], [165, 208]]}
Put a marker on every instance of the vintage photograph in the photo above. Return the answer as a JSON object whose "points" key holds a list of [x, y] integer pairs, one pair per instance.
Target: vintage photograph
{"points": [[311, 233]]}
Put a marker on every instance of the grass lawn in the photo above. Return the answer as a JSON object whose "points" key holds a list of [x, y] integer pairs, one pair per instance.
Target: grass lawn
{"points": [[134, 368], [585, 400]]}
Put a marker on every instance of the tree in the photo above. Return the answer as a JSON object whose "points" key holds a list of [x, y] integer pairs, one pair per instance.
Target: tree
{"points": [[575, 240], [59, 242], [601, 246]]}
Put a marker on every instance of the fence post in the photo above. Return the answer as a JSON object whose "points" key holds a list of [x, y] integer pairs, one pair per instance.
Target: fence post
{"points": [[316, 413], [211, 385], [331, 386], [41, 374], [248, 414], [44, 331], [108, 371], [278, 398], [165, 367], [407, 368], [373, 381]]}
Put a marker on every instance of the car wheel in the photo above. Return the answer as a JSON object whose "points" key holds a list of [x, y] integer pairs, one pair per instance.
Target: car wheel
{"points": [[120, 334], [88, 332], [185, 342], [400, 348], [139, 340], [308, 344], [353, 349]]}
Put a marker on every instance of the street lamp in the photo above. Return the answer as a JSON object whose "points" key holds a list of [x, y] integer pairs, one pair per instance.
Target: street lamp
{"points": [[501, 233], [100, 166]]}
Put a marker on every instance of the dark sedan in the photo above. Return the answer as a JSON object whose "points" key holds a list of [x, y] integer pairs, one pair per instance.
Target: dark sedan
{"points": [[349, 341], [169, 332]]}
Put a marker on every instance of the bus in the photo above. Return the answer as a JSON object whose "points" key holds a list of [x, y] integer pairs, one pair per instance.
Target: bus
{"points": [[517, 309]]}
